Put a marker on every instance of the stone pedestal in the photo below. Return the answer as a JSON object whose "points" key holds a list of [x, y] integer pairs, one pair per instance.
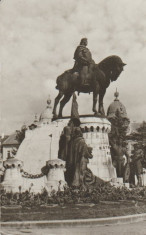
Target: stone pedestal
{"points": [[95, 132], [13, 181], [55, 176]]}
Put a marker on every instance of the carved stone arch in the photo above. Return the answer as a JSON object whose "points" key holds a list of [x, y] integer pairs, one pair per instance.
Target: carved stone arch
{"points": [[103, 129], [83, 130], [92, 129], [86, 129], [98, 128], [106, 130]]}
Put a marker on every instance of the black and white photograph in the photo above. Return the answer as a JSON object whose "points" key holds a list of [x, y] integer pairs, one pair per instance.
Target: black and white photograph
{"points": [[73, 117]]}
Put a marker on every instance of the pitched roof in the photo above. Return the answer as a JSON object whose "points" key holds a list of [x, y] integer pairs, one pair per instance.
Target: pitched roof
{"points": [[3, 139], [11, 140]]}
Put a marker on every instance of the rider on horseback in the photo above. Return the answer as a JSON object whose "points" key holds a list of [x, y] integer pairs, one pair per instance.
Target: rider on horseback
{"points": [[83, 61]]}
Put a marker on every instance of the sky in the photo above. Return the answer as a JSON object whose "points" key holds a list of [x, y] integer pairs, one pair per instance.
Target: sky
{"points": [[37, 43]]}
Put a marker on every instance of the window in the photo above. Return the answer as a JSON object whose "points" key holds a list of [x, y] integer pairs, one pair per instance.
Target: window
{"points": [[8, 154]]}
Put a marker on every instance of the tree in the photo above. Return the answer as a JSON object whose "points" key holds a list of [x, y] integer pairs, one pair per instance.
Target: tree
{"points": [[119, 127], [117, 139], [21, 134], [139, 141]]}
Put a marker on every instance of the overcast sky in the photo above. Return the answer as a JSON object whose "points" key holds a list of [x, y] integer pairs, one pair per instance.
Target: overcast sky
{"points": [[37, 43]]}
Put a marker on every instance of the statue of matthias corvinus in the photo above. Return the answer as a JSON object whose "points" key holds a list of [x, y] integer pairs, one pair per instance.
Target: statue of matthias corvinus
{"points": [[86, 76]]}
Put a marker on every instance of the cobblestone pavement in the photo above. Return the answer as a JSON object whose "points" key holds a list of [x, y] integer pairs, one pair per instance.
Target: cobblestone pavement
{"points": [[124, 229]]}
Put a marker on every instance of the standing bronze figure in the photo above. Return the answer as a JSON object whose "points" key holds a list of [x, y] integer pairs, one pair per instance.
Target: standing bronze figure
{"points": [[87, 77]]}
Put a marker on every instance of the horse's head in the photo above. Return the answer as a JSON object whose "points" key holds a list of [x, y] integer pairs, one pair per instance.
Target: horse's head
{"points": [[112, 66], [117, 68]]}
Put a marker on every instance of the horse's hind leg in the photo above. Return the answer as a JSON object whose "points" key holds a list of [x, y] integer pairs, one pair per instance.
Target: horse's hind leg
{"points": [[65, 99], [101, 96], [59, 96]]}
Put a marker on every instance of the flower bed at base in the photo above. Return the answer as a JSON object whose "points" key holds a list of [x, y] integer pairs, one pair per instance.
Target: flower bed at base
{"points": [[73, 196], [73, 203]]}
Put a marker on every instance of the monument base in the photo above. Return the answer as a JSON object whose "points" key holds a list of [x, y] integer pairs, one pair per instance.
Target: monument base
{"points": [[42, 144], [95, 132]]}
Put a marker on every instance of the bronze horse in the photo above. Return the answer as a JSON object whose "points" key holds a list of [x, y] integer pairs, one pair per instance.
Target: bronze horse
{"points": [[99, 78]]}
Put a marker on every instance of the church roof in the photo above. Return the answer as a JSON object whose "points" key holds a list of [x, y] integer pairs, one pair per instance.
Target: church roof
{"points": [[115, 106]]}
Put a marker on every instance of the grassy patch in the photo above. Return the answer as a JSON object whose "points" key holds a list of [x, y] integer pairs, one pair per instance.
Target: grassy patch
{"points": [[73, 211]]}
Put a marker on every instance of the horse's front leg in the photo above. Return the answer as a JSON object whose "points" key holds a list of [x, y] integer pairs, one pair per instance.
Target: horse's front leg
{"points": [[56, 103], [101, 108], [95, 95], [65, 99]]}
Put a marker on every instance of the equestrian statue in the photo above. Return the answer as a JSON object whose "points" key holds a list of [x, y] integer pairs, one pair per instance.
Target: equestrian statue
{"points": [[86, 77]]}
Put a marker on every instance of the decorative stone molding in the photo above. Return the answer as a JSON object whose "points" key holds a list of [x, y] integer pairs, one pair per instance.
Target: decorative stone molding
{"points": [[30, 176]]}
